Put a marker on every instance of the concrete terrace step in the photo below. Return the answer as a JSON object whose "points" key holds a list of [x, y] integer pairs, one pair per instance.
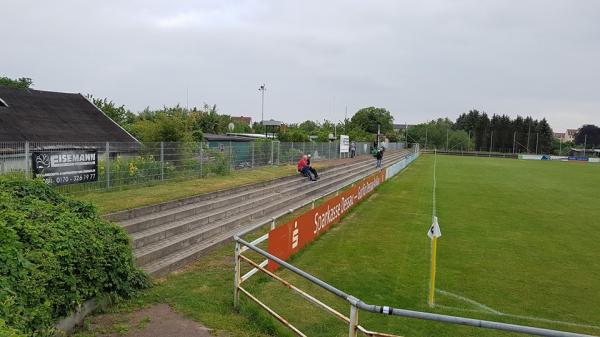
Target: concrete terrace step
{"points": [[199, 231], [202, 217], [183, 247], [124, 216], [148, 221]]}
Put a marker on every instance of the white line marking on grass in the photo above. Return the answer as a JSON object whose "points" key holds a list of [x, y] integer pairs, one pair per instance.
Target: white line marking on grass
{"points": [[484, 309], [538, 319], [481, 306]]}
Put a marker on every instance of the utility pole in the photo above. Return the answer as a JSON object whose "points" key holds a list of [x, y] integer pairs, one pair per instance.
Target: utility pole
{"points": [[528, 133], [447, 130], [406, 135], [469, 142], [560, 147], [378, 132], [262, 89]]}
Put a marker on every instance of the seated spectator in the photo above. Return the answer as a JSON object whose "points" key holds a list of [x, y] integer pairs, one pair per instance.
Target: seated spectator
{"points": [[312, 169], [304, 168]]}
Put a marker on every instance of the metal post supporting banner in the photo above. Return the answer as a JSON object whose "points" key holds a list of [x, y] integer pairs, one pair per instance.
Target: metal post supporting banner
{"points": [[162, 161], [107, 148], [26, 159]]}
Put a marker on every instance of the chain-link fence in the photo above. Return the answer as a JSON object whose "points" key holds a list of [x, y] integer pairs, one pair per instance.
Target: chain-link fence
{"points": [[126, 164]]}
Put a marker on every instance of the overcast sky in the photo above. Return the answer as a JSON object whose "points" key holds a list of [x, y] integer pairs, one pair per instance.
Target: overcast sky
{"points": [[419, 59]]}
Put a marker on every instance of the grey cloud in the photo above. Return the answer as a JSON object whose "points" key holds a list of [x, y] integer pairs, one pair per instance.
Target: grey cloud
{"points": [[420, 59]]}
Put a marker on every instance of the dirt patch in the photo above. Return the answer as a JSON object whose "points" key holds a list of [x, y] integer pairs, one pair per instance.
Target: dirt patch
{"points": [[156, 321]]}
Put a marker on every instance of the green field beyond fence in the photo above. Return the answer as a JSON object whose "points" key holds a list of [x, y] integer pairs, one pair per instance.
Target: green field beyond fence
{"points": [[520, 244]]}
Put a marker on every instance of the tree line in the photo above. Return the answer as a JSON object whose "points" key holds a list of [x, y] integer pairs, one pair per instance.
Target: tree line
{"points": [[476, 131], [178, 124]]}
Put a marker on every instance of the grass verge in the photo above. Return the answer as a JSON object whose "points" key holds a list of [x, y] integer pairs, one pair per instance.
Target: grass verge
{"points": [[118, 200]]}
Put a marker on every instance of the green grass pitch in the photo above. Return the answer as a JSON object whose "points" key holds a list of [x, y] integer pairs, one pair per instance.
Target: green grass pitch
{"points": [[520, 244]]}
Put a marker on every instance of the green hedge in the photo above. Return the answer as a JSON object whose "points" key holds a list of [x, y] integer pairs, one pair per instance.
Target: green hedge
{"points": [[56, 253]]}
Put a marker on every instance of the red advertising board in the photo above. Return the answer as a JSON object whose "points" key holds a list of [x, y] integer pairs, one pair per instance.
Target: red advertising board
{"points": [[287, 239]]}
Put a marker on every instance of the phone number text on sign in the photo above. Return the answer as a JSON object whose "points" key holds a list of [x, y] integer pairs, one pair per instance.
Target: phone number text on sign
{"points": [[64, 167]]}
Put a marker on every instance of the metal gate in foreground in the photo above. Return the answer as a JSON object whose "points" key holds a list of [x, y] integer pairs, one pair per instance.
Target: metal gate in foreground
{"points": [[355, 304]]}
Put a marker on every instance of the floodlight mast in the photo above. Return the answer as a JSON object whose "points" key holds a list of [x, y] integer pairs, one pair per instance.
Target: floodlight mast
{"points": [[262, 89]]}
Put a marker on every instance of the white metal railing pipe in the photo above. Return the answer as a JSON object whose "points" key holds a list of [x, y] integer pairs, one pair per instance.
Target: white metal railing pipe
{"points": [[357, 303]]}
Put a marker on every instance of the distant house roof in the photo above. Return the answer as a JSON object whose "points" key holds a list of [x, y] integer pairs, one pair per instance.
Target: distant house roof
{"points": [[44, 116], [251, 136], [242, 119], [403, 126], [209, 137], [272, 122]]}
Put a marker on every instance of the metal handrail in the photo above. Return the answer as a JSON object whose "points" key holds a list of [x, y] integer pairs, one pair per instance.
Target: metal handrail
{"points": [[358, 304]]}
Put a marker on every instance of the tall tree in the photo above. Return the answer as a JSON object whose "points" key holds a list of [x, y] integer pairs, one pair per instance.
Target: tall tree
{"points": [[368, 119], [117, 113], [589, 134]]}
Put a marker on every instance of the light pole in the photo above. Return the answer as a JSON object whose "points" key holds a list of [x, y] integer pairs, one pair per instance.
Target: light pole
{"points": [[262, 89]]}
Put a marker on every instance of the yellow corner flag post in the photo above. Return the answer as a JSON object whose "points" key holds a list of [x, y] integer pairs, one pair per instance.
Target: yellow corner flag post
{"points": [[434, 233]]}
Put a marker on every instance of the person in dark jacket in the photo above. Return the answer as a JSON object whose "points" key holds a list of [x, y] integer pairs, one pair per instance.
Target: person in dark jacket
{"points": [[352, 150], [312, 169], [379, 156]]}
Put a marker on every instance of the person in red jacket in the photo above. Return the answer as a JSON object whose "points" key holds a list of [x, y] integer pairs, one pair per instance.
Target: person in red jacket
{"points": [[304, 168]]}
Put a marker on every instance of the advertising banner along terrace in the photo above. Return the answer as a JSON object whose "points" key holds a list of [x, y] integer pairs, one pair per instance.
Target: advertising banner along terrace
{"points": [[287, 239]]}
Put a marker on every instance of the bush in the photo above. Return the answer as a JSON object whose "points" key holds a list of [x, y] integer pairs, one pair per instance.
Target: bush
{"points": [[56, 253]]}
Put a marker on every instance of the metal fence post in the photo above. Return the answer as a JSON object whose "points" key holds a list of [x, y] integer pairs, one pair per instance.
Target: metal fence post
{"points": [[252, 153], [352, 326], [273, 223], [107, 164], [201, 157], [271, 152], [278, 152], [237, 277], [231, 163], [162, 161], [26, 159]]}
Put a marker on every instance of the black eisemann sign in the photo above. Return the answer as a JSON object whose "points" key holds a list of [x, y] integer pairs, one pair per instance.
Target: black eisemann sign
{"points": [[64, 167]]}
